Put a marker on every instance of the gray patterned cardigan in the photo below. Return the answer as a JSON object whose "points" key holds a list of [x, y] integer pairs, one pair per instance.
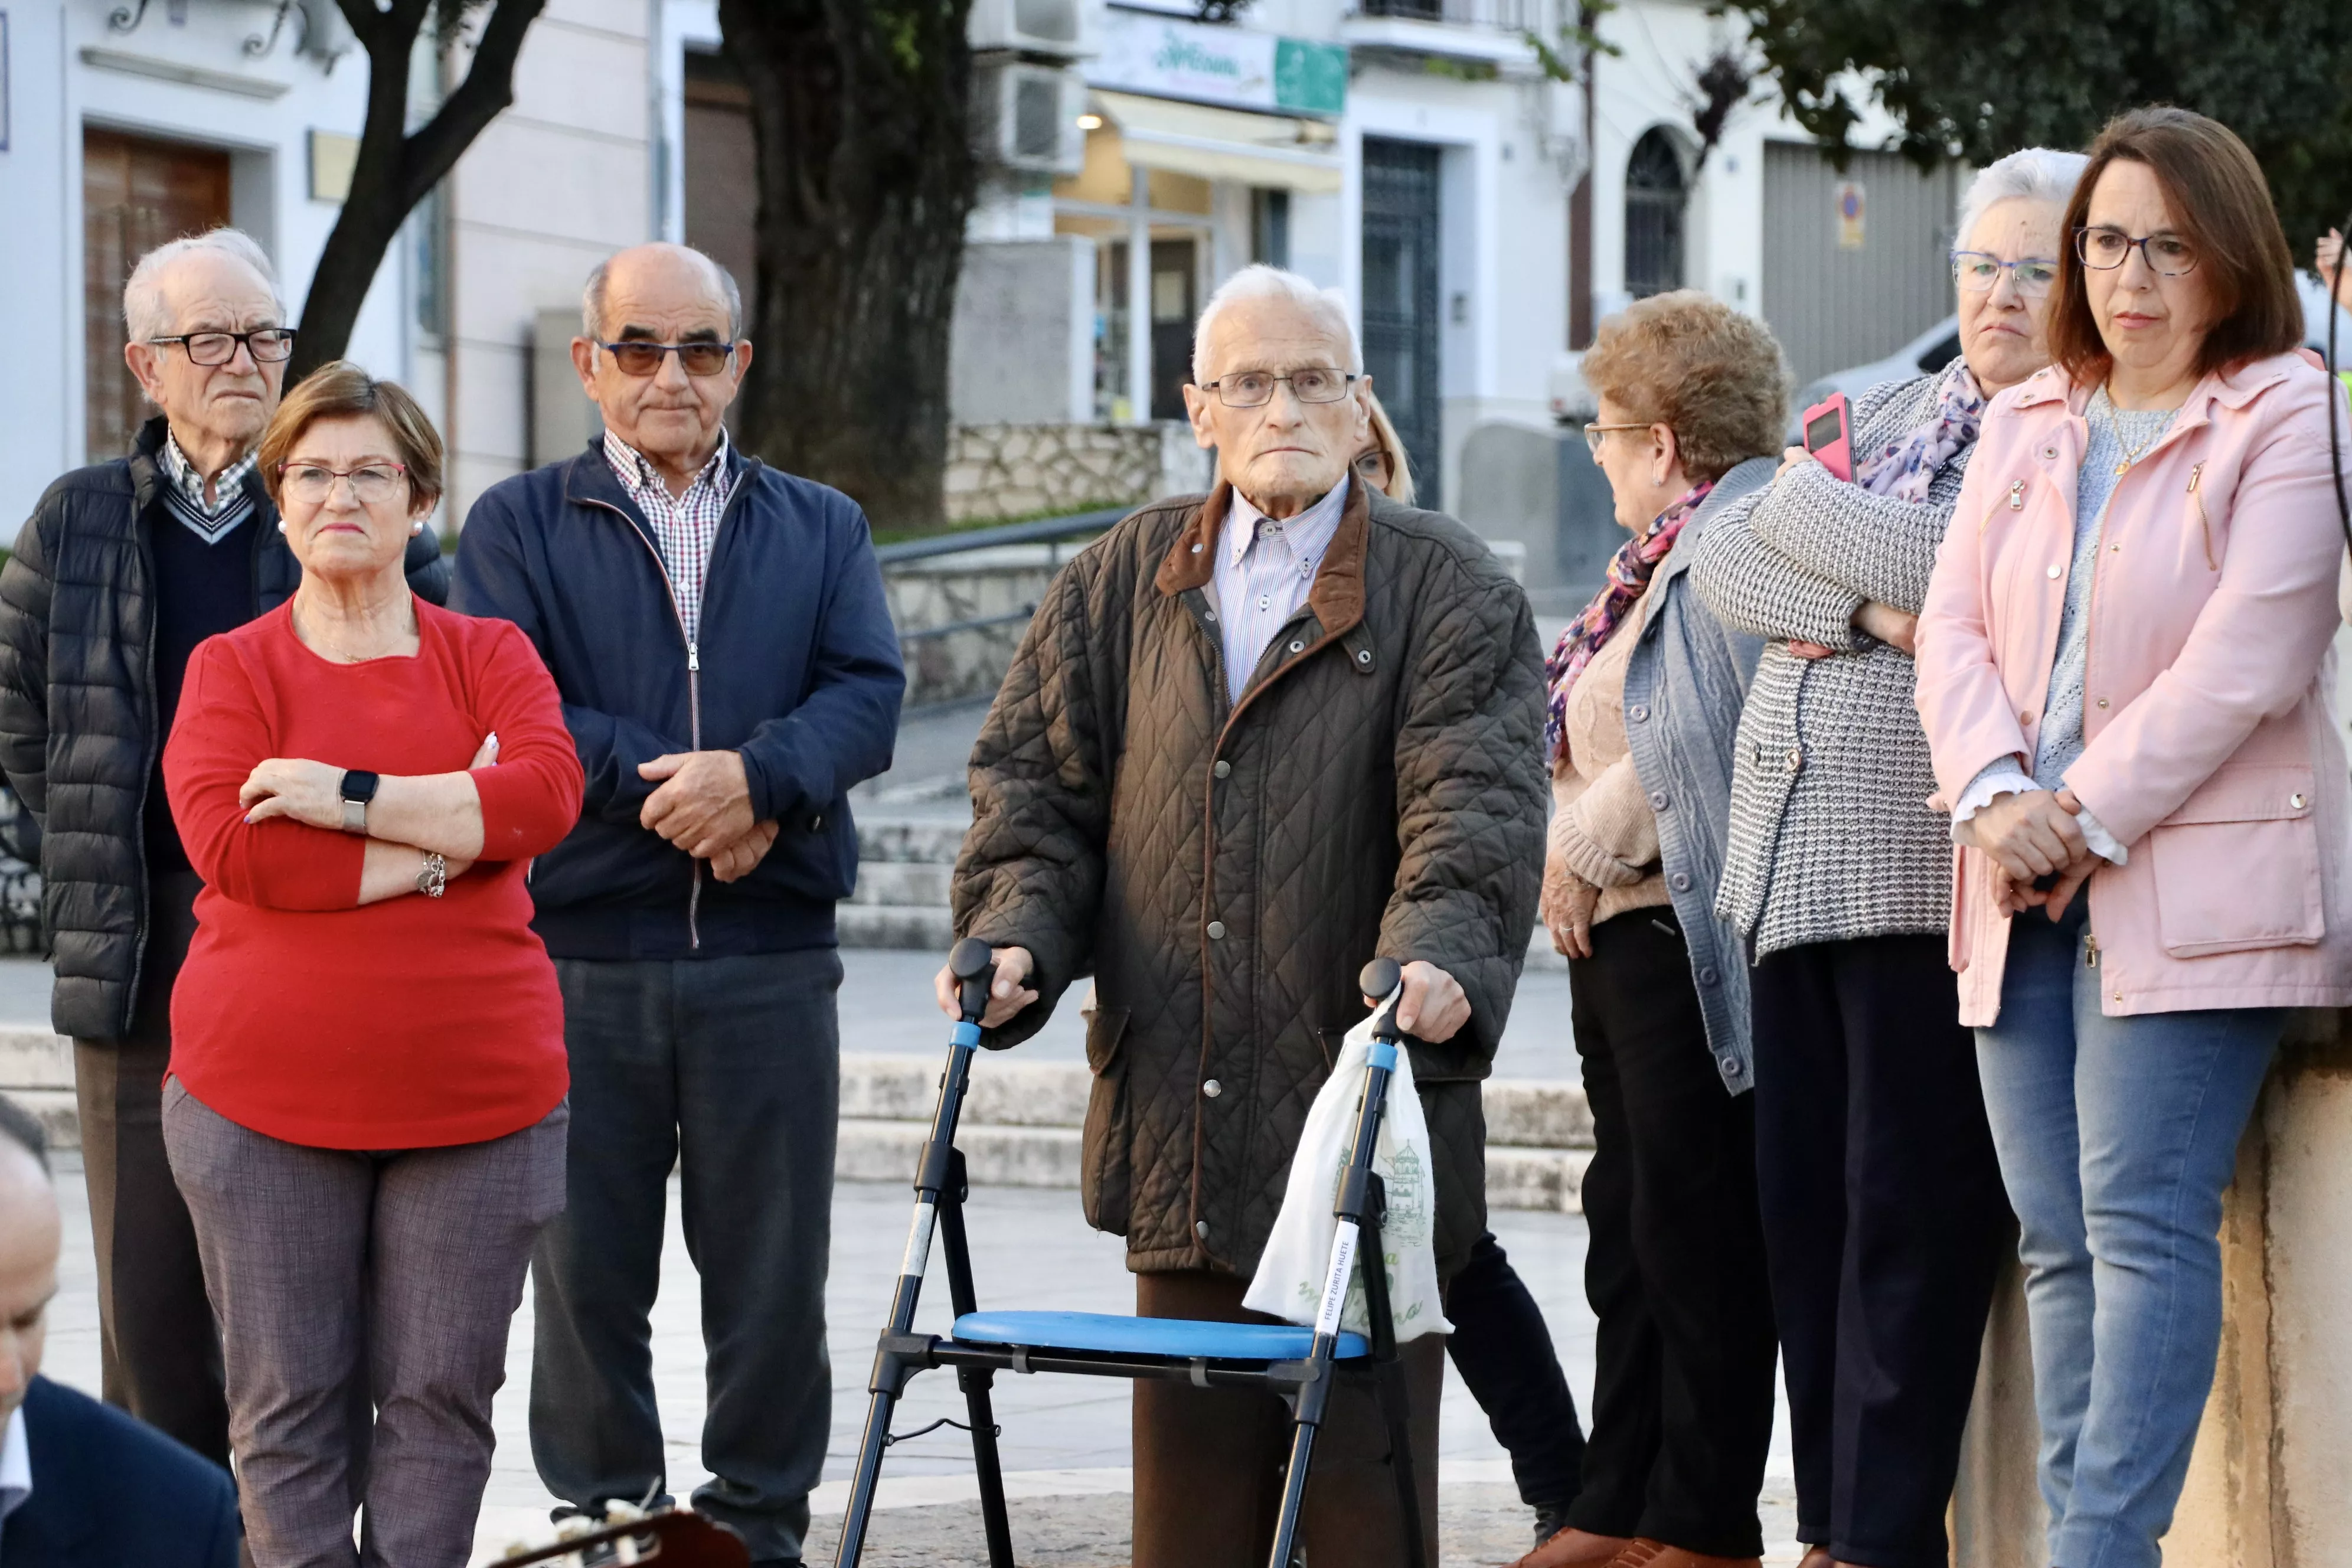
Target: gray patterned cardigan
{"points": [[1830, 835]]}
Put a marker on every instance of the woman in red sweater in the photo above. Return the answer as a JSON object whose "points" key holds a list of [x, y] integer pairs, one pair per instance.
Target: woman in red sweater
{"points": [[366, 1103]]}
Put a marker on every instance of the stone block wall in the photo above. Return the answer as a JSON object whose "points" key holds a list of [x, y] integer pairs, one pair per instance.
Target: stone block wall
{"points": [[997, 472]]}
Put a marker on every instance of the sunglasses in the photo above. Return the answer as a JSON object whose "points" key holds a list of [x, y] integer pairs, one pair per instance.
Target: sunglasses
{"points": [[641, 358]]}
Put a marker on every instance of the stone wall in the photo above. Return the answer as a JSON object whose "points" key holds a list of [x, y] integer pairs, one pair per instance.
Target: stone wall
{"points": [[1003, 471]]}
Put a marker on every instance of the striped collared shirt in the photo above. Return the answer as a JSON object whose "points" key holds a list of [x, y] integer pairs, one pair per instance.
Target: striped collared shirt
{"points": [[685, 526], [1265, 569], [209, 521]]}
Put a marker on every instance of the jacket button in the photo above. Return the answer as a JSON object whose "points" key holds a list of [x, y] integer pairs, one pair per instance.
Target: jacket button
{"points": [[1364, 655], [1796, 758], [1222, 769], [1657, 800], [1200, 1229], [2295, 801], [1216, 931], [2052, 570], [1707, 976], [1729, 1065], [1212, 1088], [2049, 454], [1208, 615], [2025, 716], [1639, 713], [2103, 702], [1680, 881], [1299, 647]]}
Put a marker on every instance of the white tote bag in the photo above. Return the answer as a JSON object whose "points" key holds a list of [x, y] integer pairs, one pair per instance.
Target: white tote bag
{"points": [[1297, 1258]]}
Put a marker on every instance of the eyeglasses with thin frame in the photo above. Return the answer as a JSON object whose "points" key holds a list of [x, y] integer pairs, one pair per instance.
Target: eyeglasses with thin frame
{"points": [[372, 484], [639, 357], [1978, 272], [1595, 434], [1255, 388], [2106, 248], [267, 345]]}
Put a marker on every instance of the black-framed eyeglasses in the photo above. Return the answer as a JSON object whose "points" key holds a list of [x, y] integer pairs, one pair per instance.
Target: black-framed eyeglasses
{"points": [[1979, 273], [1255, 388], [267, 345], [2104, 250], [639, 357]]}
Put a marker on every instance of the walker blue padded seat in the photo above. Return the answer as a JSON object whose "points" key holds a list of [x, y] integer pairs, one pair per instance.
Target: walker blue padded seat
{"points": [[1178, 1338]]}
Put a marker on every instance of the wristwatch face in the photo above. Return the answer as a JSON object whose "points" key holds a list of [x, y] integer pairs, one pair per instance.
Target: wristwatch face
{"points": [[359, 786]]}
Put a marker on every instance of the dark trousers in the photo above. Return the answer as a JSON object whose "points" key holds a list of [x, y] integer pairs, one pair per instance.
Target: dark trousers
{"points": [[159, 1352], [1885, 1222], [729, 1070], [1209, 1461], [1502, 1351], [1682, 1400]]}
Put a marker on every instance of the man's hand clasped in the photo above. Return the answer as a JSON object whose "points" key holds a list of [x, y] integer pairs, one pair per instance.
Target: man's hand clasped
{"points": [[703, 805]]}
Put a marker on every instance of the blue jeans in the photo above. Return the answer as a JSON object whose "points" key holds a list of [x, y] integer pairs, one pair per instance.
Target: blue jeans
{"points": [[2117, 1137]]}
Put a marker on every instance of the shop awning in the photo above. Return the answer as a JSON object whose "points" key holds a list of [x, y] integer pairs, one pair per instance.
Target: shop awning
{"points": [[1276, 150]]}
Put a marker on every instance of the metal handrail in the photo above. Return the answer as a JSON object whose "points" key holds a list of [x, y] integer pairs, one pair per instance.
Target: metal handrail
{"points": [[1044, 531]]}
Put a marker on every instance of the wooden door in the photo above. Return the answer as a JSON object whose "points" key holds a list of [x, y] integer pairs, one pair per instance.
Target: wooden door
{"points": [[136, 195]]}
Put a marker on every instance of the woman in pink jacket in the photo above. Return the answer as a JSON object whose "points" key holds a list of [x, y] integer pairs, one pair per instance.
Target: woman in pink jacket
{"points": [[2119, 675]]}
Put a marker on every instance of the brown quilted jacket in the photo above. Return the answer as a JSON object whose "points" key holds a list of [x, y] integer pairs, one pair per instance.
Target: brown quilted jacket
{"points": [[1223, 869]]}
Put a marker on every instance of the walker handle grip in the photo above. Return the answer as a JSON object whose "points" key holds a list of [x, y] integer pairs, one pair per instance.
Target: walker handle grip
{"points": [[973, 965]]}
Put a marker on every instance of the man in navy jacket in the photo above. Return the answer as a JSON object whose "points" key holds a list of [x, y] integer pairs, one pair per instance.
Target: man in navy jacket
{"points": [[728, 666], [82, 1485]]}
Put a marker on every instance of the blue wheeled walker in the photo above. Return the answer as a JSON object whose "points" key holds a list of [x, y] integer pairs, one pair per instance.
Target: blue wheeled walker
{"points": [[1299, 1365]]}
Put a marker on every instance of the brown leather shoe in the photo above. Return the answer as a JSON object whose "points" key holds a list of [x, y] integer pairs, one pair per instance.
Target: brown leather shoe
{"points": [[1641, 1552], [1574, 1548]]}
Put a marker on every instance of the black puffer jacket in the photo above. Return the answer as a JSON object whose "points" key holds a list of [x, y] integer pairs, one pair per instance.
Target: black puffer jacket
{"points": [[78, 736], [1225, 869]]}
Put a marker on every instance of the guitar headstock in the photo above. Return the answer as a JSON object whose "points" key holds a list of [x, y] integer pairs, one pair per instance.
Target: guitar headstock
{"points": [[680, 1538]]}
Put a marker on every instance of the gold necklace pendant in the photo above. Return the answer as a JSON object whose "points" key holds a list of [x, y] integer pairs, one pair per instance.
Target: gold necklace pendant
{"points": [[2122, 468]]}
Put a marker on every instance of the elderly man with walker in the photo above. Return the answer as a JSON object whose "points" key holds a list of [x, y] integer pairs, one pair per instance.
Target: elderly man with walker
{"points": [[1251, 739]]}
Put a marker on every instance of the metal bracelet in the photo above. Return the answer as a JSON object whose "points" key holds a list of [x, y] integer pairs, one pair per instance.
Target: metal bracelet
{"points": [[433, 877]]}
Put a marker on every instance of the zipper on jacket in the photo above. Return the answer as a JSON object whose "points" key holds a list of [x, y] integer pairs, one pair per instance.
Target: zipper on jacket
{"points": [[694, 734], [693, 669]]}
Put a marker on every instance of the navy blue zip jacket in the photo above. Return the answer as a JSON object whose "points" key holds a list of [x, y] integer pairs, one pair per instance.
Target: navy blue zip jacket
{"points": [[796, 667]]}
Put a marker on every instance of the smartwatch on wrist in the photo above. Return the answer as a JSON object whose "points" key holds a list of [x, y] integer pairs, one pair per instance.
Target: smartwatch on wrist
{"points": [[359, 788]]}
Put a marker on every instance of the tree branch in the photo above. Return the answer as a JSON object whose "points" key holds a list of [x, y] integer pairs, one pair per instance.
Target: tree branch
{"points": [[434, 150]]}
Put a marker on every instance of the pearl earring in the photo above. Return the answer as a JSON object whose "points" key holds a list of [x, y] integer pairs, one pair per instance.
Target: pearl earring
{"points": [[281, 525], [415, 528]]}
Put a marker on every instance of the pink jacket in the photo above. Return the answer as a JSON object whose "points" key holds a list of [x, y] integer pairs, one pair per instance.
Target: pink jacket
{"points": [[2210, 752]]}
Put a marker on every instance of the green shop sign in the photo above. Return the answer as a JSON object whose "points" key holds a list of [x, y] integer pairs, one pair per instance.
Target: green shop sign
{"points": [[1168, 57]]}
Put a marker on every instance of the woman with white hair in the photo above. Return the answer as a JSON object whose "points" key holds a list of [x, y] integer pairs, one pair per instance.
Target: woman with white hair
{"points": [[1885, 1220]]}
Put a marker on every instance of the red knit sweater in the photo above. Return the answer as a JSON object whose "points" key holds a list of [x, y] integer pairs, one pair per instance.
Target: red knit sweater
{"points": [[413, 1022]]}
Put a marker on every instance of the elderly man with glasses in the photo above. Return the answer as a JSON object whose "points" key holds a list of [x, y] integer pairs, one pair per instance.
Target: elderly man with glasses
{"points": [[728, 669], [124, 567], [1251, 739]]}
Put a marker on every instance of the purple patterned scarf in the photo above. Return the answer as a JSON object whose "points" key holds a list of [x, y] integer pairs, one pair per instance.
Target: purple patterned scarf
{"points": [[1629, 578], [1904, 467]]}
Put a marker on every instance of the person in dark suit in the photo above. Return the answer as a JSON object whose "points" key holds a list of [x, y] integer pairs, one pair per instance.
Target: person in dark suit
{"points": [[82, 1484]]}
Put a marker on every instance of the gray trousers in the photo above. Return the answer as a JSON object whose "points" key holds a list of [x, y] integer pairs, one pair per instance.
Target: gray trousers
{"points": [[158, 1353], [321, 1262], [728, 1069]]}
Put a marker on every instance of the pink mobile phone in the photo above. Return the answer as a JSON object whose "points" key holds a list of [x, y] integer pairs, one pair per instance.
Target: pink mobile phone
{"points": [[1829, 435]]}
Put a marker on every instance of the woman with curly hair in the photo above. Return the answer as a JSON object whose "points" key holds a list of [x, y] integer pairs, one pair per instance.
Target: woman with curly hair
{"points": [[1645, 692]]}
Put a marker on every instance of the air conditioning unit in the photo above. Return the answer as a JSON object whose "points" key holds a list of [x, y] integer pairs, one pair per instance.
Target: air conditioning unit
{"points": [[1025, 117], [1063, 28]]}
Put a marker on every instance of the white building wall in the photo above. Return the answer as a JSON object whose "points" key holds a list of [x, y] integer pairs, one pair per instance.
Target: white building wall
{"points": [[562, 180], [55, 90]]}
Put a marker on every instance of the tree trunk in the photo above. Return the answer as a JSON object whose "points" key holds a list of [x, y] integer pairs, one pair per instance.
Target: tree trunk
{"points": [[866, 173], [396, 170]]}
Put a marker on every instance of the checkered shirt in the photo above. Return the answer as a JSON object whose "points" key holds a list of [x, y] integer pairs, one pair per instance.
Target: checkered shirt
{"points": [[684, 526], [1264, 570]]}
